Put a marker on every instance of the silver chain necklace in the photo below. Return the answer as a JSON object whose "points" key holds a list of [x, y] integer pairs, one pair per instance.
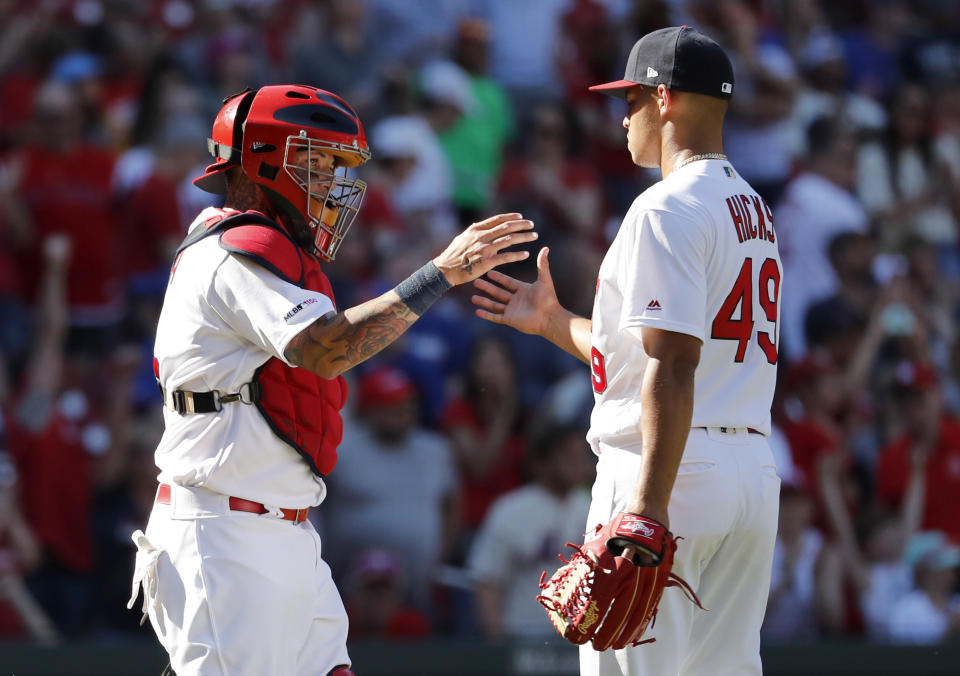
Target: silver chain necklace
{"points": [[701, 156]]}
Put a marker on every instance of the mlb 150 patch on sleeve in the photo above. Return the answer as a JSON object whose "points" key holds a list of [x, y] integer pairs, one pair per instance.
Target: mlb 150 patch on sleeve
{"points": [[297, 308]]}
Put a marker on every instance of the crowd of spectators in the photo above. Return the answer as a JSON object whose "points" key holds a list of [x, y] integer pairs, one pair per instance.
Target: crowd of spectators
{"points": [[463, 469]]}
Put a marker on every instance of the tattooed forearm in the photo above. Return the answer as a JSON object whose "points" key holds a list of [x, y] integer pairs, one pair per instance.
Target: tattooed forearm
{"points": [[363, 339], [332, 345]]}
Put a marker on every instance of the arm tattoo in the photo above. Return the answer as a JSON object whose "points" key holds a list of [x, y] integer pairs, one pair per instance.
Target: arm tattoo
{"points": [[340, 342]]}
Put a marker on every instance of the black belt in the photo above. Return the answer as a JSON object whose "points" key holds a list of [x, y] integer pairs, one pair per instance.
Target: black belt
{"points": [[185, 402]]}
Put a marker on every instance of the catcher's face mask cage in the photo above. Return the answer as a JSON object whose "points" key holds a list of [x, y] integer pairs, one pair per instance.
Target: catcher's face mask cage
{"points": [[332, 197], [301, 144]]}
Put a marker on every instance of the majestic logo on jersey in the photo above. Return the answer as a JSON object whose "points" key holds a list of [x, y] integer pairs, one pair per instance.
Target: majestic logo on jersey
{"points": [[654, 305], [296, 308]]}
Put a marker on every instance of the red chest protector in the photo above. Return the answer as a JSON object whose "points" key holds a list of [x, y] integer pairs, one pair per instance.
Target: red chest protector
{"points": [[301, 408]]}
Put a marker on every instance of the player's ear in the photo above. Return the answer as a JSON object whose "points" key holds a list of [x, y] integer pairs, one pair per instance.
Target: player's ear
{"points": [[664, 99]]}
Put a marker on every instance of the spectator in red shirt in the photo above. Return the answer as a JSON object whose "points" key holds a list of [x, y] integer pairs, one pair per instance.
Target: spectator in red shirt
{"points": [[64, 449], [811, 426], [146, 205], [554, 188], [20, 615], [373, 600], [930, 431], [821, 456], [14, 238], [591, 49], [26, 34], [65, 186], [483, 427]]}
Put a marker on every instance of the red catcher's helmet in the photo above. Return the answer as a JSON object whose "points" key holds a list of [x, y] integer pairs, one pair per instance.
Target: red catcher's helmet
{"points": [[285, 128], [227, 138]]}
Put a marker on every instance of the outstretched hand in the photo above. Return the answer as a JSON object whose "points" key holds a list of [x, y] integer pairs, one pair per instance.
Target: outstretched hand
{"points": [[479, 248], [525, 307]]}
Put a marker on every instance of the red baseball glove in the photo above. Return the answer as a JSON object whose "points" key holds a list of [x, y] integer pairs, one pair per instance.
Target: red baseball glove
{"points": [[598, 595]]}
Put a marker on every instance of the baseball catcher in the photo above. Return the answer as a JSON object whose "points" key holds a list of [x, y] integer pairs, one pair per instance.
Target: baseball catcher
{"points": [[602, 595], [250, 353]]}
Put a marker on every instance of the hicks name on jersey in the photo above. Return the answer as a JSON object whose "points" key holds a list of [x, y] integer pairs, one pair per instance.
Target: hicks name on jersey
{"points": [[742, 208]]}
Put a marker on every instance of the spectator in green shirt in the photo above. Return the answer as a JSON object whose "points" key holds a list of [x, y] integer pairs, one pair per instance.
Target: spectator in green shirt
{"points": [[474, 145]]}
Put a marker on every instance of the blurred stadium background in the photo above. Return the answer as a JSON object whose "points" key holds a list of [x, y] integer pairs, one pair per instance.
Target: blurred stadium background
{"points": [[846, 118]]}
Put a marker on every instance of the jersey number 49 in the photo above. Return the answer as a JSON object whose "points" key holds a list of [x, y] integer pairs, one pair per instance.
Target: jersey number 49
{"points": [[726, 327], [598, 370]]}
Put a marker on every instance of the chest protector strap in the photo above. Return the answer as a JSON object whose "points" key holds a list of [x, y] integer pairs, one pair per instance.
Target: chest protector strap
{"points": [[300, 407]]}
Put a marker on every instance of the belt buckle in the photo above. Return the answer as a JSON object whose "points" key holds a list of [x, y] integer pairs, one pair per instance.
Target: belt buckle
{"points": [[178, 402], [250, 393], [182, 401]]}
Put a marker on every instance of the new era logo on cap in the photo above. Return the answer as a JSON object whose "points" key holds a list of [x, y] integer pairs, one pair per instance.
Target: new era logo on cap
{"points": [[726, 88], [651, 72]]}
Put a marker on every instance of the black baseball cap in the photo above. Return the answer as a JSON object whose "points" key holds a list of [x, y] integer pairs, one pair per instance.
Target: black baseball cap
{"points": [[679, 57]]}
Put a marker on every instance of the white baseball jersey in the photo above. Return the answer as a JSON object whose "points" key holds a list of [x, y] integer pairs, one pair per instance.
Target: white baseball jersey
{"points": [[696, 254], [223, 316]]}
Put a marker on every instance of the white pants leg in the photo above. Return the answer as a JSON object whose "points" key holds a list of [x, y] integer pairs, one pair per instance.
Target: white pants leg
{"points": [[724, 506], [261, 602]]}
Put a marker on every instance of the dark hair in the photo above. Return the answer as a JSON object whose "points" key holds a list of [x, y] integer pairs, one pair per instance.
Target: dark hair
{"points": [[871, 519], [544, 445], [822, 135], [842, 242], [148, 120], [472, 387], [829, 318], [912, 243], [574, 134], [891, 137]]}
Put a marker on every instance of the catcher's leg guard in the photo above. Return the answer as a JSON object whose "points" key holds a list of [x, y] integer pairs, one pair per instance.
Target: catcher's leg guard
{"points": [[341, 670]]}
